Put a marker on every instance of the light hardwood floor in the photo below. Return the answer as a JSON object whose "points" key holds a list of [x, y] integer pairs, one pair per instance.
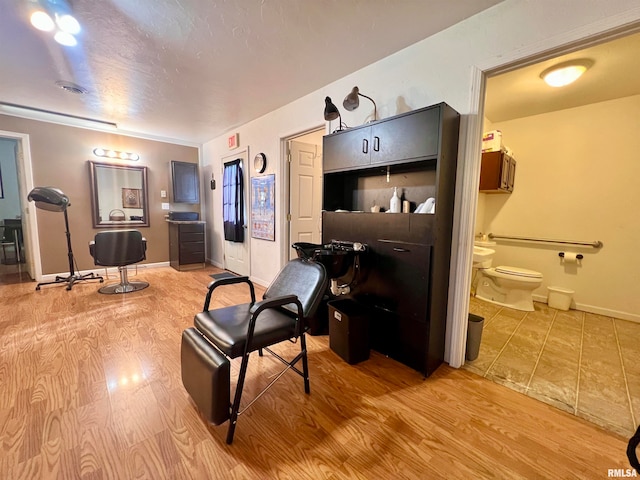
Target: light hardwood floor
{"points": [[90, 388]]}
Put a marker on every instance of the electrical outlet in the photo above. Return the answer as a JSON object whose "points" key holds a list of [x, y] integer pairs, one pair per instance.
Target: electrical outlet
{"points": [[163, 194], [165, 206]]}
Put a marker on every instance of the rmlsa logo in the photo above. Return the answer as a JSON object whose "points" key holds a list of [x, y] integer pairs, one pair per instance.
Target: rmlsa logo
{"points": [[622, 472]]}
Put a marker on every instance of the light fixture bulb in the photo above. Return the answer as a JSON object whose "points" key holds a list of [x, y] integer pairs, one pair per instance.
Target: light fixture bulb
{"points": [[112, 154], [123, 155], [42, 21], [134, 157], [565, 73], [66, 39], [98, 152], [68, 23]]}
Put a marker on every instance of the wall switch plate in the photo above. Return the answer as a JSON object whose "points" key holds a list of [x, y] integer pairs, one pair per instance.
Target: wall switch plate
{"points": [[165, 206], [163, 194]]}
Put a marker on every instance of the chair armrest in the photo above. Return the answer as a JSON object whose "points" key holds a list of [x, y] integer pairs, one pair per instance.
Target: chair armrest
{"points": [[276, 302], [273, 302], [227, 281], [92, 245]]}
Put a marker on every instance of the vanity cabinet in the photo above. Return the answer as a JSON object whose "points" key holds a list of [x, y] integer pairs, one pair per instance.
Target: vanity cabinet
{"points": [[186, 245], [403, 278], [399, 139], [497, 172]]}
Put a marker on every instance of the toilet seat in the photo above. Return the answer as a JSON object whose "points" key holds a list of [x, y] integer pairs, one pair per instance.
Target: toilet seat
{"points": [[519, 272]]}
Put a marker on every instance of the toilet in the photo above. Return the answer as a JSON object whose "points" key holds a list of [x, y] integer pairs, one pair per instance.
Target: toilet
{"points": [[508, 286]]}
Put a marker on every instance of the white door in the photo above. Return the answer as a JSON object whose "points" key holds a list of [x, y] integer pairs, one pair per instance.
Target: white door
{"points": [[236, 255], [305, 193]]}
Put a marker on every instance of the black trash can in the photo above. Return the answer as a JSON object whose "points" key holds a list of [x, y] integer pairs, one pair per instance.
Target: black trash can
{"points": [[349, 330], [474, 336]]}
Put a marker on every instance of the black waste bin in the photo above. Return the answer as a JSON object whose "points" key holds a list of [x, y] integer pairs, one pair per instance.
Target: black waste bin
{"points": [[474, 336], [349, 330]]}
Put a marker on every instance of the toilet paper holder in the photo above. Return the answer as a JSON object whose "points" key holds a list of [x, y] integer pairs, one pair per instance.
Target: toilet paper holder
{"points": [[578, 256]]}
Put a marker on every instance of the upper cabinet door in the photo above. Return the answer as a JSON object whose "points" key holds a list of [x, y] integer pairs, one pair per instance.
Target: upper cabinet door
{"points": [[347, 150], [186, 184], [406, 138]]}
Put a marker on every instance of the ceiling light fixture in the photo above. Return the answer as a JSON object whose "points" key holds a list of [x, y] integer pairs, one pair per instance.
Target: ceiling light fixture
{"points": [[101, 152], [55, 13], [352, 101], [565, 73]]}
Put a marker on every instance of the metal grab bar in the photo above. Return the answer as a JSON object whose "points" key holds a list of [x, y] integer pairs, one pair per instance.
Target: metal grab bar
{"points": [[596, 244]]}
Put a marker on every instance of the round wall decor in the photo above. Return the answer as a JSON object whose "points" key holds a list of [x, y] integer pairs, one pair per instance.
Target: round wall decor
{"points": [[260, 162]]}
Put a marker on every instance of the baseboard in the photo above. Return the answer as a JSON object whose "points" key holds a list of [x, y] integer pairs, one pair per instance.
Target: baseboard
{"points": [[50, 277], [607, 312], [215, 264], [259, 281]]}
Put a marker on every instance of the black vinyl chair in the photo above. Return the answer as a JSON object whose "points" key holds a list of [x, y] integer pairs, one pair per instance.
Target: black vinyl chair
{"points": [[238, 330], [119, 248]]}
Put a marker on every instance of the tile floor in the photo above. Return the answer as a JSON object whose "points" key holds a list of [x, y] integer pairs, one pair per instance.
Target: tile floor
{"points": [[583, 363]]}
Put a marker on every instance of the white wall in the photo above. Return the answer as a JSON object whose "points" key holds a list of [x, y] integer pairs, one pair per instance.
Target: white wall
{"points": [[10, 204], [577, 179], [439, 68]]}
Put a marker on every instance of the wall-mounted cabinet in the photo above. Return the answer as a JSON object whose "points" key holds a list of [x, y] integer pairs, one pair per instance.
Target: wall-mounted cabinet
{"points": [[399, 139], [497, 172], [405, 273], [185, 181]]}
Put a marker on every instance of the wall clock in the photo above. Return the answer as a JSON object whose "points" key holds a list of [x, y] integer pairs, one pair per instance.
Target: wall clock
{"points": [[260, 162]]}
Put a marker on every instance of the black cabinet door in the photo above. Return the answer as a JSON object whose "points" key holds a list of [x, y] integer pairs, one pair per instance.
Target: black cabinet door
{"points": [[184, 177], [406, 138], [346, 150]]}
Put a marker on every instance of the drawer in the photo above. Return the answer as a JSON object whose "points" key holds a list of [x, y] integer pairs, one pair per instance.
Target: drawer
{"points": [[191, 247], [191, 237], [192, 227], [191, 257]]}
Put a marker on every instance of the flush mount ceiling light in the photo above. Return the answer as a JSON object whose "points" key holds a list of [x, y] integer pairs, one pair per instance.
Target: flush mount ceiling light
{"points": [[102, 152], [54, 15], [566, 72]]}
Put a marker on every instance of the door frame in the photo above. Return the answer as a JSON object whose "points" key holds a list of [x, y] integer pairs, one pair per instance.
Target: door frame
{"points": [[469, 159], [285, 196], [29, 217], [246, 178]]}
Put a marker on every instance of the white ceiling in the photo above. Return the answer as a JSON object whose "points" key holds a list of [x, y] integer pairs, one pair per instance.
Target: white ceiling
{"points": [[521, 93], [192, 69]]}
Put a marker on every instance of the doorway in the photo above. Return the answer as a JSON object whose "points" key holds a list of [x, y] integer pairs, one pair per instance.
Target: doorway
{"points": [[20, 244], [581, 360], [237, 256], [304, 182]]}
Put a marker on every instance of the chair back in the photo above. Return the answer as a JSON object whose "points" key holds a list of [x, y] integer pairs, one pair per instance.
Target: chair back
{"points": [[116, 248], [306, 279]]}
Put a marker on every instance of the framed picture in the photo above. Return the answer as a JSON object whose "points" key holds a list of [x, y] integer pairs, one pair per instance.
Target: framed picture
{"points": [[263, 207], [131, 198]]}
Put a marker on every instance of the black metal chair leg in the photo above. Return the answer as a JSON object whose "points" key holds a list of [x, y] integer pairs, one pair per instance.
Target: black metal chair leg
{"points": [[260, 352], [305, 365], [233, 419]]}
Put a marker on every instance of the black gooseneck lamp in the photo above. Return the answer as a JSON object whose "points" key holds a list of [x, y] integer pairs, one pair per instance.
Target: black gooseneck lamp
{"points": [[53, 200], [331, 112], [352, 101]]}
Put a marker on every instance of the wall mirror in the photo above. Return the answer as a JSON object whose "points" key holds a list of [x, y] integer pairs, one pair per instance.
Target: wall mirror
{"points": [[118, 195]]}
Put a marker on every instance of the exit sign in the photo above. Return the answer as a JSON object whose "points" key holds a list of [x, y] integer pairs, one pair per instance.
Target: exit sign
{"points": [[233, 141]]}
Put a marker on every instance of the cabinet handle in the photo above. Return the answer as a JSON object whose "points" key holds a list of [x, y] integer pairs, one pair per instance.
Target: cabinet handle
{"points": [[376, 144], [401, 250], [365, 145]]}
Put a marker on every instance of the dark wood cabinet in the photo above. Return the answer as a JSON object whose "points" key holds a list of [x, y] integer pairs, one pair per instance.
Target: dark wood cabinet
{"points": [[497, 172], [185, 181], [186, 245], [404, 276], [403, 138]]}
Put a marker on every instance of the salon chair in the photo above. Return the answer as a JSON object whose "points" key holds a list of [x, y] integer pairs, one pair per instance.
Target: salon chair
{"points": [[119, 248], [236, 331]]}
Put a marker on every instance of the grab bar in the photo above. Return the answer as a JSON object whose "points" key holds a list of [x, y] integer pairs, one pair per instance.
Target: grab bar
{"points": [[596, 244]]}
